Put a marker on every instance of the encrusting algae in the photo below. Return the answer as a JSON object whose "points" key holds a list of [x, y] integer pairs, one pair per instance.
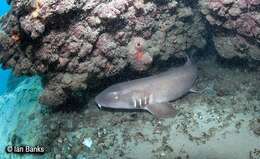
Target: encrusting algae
{"points": [[37, 6], [140, 59]]}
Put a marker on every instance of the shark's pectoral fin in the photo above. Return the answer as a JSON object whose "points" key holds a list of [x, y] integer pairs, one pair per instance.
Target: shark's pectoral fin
{"points": [[192, 90], [161, 110]]}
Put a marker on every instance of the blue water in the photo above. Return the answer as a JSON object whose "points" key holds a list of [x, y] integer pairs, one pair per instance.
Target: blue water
{"points": [[4, 74], [4, 7]]}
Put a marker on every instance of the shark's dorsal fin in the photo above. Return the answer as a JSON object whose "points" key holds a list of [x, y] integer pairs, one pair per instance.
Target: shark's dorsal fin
{"points": [[161, 110]]}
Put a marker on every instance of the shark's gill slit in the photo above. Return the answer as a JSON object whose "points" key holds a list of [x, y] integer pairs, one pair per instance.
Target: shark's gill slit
{"points": [[134, 101], [140, 102], [150, 98], [145, 100]]}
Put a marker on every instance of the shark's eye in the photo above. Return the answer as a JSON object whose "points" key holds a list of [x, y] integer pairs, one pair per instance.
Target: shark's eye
{"points": [[115, 95]]}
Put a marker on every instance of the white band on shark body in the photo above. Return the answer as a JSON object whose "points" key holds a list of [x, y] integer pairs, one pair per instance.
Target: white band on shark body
{"points": [[134, 101]]}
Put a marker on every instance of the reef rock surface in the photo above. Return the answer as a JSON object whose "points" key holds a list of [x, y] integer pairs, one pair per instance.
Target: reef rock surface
{"points": [[20, 111], [236, 26], [71, 43]]}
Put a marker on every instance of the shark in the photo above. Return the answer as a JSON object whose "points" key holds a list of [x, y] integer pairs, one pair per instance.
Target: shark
{"points": [[154, 94]]}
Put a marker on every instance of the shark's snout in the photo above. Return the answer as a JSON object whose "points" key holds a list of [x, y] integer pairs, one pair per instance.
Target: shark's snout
{"points": [[102, 100], [107, 99], [111, 98]]}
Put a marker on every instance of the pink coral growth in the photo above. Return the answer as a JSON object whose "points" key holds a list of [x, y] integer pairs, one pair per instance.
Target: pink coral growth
{"points": [[215, 4], [78, 31], [243, 21], [247, 3], [112, 9], [246, 25]]}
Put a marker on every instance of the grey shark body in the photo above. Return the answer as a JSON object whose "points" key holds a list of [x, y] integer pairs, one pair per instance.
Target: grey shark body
{"points": [[151, 93]]}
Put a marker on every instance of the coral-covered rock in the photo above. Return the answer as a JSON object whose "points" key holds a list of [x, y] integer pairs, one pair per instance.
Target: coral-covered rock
{"points": [[72, 43], [112, 9], [34, 28], [20, 106], [236, 25]]}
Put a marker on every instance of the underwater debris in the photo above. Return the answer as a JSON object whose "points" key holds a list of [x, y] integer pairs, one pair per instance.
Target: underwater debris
{"points": [[88, 142]]}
